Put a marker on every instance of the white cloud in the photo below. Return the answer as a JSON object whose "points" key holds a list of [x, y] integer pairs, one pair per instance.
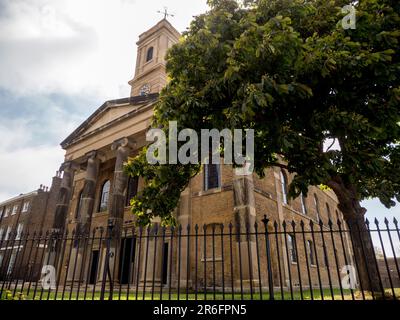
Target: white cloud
{"points": [[27, 168], [71, 46], [68, 48]]}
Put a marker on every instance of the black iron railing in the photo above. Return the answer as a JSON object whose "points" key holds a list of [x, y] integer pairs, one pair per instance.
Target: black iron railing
{"points": [[296, 260]]}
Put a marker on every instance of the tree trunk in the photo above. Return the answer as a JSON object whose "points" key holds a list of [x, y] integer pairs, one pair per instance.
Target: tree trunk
{"points": [[364, 253]]}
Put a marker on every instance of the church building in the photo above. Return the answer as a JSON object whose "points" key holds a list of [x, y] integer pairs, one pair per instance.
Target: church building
{"points": [[95, 192]]}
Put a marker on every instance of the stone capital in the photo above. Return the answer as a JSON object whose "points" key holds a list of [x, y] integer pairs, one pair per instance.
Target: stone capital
{"points": [[69, 166], [123, 143]]}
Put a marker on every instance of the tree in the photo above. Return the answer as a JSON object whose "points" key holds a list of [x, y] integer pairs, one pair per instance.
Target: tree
{"points": [[290, 71]]}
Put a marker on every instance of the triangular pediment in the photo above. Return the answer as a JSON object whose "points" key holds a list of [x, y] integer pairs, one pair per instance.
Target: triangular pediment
{"points": [[107, 114]]}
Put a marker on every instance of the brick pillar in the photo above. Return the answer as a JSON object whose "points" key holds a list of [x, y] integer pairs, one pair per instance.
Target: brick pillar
{"points": [[184, 215], [245, 215]]}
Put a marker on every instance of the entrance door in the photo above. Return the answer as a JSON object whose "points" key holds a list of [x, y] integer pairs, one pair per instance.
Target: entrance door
{"points": [[165, 264], [93, 266], [126, 260]]}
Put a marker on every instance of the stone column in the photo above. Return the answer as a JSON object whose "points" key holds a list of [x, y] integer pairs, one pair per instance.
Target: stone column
{"points": [[245, 215], [93, 160], [64, 196], [123, 148], [61, 212]]}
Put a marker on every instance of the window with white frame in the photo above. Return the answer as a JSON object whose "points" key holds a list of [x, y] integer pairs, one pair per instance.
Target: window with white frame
{"points": [[212, 176], [8, 233], [26, 206], [303, 204], [284, 187], [310, 251], [1, 233], [292, 248], [11, 263], [20, 228], [15, 210], [328, 210], [104, 196], [8, 212], [316, 203]]}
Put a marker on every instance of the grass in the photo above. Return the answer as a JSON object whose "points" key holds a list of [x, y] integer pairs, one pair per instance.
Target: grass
{"points": [[307, 295]]}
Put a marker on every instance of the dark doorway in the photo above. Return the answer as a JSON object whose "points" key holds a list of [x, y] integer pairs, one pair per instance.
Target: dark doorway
{"points": [[126, 260], [93, 267], [165, 264]]}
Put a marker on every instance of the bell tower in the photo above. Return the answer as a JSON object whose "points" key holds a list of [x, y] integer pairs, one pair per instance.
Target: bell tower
{"points": [[150, 74]]}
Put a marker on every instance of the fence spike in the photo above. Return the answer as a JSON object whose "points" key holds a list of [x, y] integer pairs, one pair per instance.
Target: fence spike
{"points": [[386, 222], [377, 222]]}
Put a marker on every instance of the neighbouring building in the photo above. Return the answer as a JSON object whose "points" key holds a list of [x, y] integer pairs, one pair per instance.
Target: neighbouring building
{"points": [[26, 216]]}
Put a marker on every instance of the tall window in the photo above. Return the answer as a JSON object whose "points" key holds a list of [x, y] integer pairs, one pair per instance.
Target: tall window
{"points": [[212, 176], [310, 251], [303, 204], [25, 207], [2, 211], [1, 233], [292, 248], [316, 203], [14, 210], [150, 53], [8, 211], [20, 228], [8, 234], [328, 210], [79, 206], [133, 185], [105, 195], [284, 187]]}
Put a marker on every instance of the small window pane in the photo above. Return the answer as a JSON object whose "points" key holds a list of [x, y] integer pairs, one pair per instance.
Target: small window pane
{"points": [[292, 248], [105, 194], [150, 53], [132, 190], [284, 188], [212, 176], [26, 206], [316, 202], [79, 206]]}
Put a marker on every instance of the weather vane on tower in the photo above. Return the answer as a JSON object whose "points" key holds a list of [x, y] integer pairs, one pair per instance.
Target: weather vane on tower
{"points": [[165, 13]]}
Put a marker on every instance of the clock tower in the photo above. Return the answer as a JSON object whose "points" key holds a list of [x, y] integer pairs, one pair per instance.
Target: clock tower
{"points": [[150, 74]]}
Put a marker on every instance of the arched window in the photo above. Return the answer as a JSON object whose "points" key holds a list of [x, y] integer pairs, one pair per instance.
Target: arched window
{"points": [[303, 203], [212, 176], [316, 202], [284, 187], [105, 194], [78, 207], [150, 53], [328, 210], [132, 189]]}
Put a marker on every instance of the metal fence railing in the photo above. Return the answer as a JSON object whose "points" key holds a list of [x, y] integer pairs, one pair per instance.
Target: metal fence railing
{"points": [[296, 260]]}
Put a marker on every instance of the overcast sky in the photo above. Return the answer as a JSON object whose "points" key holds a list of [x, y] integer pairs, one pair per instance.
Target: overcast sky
{"points": [[59, 61]]}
